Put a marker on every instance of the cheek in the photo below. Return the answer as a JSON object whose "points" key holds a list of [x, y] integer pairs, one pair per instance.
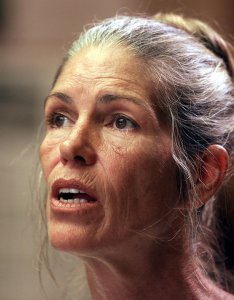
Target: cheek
{"points": [[138, 163], [143, 181], [49, 157]]}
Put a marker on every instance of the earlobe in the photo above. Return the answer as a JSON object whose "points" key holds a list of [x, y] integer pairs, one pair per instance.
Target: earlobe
{"points": [[213, 167]]}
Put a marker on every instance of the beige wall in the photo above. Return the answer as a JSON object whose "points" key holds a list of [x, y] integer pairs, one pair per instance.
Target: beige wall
{"points": [[31, 46]]}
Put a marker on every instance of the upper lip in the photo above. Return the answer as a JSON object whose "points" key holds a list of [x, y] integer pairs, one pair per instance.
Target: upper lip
{"points": [[70, 184]]}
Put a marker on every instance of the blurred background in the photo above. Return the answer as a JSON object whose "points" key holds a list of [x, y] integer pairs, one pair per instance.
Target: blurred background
{"points": [[33, 38]]}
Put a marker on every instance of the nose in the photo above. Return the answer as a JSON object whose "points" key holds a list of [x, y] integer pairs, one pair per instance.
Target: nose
{"points": [[79, 146]]}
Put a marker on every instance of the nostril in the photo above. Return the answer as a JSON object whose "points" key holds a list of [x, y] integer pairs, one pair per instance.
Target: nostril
{"points": [[79, 158], [76, 151]]}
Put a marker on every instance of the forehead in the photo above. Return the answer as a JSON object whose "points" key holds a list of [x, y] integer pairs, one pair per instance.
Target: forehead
{"points": [[106, 67]]}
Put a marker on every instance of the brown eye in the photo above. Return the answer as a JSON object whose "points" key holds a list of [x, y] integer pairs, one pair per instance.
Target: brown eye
{"points": [[57, 120], [122, 122]]}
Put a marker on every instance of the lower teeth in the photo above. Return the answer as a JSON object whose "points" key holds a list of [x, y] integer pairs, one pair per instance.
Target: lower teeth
{"points": [[73, 200]]}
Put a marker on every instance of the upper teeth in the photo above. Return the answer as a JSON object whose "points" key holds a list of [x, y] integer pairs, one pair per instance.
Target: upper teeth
{"points": [[71, 191]]}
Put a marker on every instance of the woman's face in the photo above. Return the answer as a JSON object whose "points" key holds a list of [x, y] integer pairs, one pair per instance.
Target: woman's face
{"points": [[106, 155]]}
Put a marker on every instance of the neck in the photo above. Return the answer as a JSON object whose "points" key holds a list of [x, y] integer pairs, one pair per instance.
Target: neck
{"points": [[163, 271]]}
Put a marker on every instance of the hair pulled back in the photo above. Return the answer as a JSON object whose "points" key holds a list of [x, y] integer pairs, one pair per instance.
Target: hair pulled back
{"points": [[192, 69]]}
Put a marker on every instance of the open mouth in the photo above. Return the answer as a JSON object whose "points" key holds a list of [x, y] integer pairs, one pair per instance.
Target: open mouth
{"points": [[73, 195], [69, 195]]}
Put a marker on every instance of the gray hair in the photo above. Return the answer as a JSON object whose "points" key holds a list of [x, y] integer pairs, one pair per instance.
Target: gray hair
{"points": [[192, 74]]}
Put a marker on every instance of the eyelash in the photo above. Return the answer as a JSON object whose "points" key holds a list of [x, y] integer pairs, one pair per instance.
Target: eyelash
{"points": [[51, 119], [128, 122], [133, 125]]}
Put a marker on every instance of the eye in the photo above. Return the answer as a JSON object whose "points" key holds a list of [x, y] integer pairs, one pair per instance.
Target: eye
{"points": [[124, 123], [58, 120]]}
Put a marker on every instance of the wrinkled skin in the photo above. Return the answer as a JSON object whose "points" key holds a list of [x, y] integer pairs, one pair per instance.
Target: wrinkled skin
{"points": [[104, 138], [129, 168]]}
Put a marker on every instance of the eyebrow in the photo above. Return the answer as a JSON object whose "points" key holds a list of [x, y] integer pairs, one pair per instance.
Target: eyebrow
{"points": [[61, 96], [106, 99]]}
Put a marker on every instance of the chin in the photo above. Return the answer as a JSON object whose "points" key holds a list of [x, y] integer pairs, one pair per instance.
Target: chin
{"points": [[83, 241], [64, 237]]}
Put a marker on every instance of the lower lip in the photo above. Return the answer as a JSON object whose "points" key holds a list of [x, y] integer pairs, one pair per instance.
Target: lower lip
{"points": [[61, 207]]}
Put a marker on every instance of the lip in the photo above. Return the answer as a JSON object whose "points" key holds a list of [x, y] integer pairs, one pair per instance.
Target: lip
{"points": [[58, 206]]}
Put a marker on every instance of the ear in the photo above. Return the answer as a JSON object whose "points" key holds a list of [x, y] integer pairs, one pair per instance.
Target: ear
{"points": [[214, 165]]}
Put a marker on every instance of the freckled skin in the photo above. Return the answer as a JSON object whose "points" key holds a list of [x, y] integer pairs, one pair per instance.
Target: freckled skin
{"points": [[131, 247], [131, 171]]}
